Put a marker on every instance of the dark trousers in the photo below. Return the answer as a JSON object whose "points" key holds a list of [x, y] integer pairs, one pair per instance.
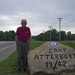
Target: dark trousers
{"points": [[22, 55]]}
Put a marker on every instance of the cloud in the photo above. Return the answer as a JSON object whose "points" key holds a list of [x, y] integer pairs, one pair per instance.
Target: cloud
{"points": [[40, 14]]}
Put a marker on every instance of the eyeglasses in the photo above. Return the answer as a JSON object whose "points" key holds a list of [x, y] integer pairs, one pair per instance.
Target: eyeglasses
{"points": [[23, 23]]}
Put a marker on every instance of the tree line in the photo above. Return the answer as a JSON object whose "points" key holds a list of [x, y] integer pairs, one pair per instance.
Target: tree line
{"points": [[7, 35], [54, 36], [10, 36]]}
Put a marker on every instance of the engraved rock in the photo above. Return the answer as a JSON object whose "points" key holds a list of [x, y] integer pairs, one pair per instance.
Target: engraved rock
{"points": [[51, 58]]}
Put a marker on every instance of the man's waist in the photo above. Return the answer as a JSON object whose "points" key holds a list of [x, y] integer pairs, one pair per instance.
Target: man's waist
{"points": [[23, 41]]}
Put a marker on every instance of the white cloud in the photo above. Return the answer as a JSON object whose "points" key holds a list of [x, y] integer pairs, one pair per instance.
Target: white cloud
{"points": [[39, 14]]}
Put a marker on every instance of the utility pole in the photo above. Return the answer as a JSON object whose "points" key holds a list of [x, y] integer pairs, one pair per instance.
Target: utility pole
{"points": [[50, 32], [60, 19]]}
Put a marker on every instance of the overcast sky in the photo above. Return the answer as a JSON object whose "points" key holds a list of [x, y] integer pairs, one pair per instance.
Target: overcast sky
{"points": [[40, 14]]}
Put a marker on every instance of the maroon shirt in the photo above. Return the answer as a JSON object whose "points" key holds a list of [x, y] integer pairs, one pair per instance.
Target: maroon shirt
{"points": [[23, 34]]}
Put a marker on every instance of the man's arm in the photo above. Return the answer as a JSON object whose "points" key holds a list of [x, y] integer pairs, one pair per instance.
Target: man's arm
{"points": [[29, 40]]}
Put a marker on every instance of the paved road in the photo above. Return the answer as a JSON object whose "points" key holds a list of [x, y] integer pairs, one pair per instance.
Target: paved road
{"points": [[6, 48]]}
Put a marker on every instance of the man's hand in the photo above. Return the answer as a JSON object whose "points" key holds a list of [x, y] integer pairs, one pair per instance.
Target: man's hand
{"points": [[29, 44]]}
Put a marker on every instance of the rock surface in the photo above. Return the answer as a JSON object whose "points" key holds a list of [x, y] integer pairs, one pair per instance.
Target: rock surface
{"points": [[52, 58]]}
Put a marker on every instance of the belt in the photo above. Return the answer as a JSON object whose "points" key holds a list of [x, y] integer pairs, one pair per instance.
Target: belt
{"points": [[24, 41]]}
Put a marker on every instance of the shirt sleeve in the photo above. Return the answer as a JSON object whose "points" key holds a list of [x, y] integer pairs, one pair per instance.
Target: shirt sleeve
{"points": [[29, 32], [17, 31]]}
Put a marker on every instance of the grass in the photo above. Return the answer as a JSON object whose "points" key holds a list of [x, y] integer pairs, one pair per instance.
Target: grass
{"points": [[68, 43], [35, 44], [8, 66]]}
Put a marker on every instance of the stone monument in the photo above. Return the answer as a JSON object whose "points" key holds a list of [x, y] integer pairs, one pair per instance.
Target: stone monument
{"points": [[51, 58]]}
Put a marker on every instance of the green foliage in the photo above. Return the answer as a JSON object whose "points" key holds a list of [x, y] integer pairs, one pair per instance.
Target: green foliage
{"points": [[72, 36], [69, 35], [63, 35], [7, 36], [55, 36], [10, 36], [2, 36]]}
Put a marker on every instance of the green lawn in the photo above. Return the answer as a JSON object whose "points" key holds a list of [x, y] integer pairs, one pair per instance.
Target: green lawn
{"points": [[68, 43], [8, 66]]}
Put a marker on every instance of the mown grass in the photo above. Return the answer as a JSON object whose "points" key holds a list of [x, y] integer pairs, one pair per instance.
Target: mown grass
{"points": [[8, 66], [69, 43], [35, 44]]}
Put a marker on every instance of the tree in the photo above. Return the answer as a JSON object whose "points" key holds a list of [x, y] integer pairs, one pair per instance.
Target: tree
{"points": [[63, 35], [12, 35], [54, 35], [9, 35], [46, 36], [72, 36], [40, 37], [69, 35], [2, 36]]}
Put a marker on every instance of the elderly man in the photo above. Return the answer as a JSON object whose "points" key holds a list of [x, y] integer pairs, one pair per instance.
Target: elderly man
{"points": [[23, 40]]}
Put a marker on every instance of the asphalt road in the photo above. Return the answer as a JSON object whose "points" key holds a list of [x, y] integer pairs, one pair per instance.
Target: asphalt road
{"points": [[6, 48]]}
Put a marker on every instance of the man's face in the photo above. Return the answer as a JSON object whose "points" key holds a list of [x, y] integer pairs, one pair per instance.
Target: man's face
{"points": [[23, 24]]}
